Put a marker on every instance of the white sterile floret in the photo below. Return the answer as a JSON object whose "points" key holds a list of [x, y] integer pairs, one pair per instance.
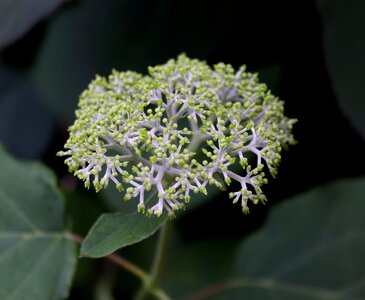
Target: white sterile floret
{"points": [[181, 128]]}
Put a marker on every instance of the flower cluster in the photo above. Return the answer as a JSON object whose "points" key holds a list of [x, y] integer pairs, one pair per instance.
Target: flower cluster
{"points": [[181, 128]]}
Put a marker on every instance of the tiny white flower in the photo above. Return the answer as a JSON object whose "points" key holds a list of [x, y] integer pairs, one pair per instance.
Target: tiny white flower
{"points": [[181, 128]]}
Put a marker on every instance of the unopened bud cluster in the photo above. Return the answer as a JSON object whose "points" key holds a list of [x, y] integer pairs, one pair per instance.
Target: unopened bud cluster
{"points": [[181, 128]]}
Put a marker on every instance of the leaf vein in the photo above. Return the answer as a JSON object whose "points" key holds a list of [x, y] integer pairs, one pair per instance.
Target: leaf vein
{"points": [[19, 211], [35, 267]]}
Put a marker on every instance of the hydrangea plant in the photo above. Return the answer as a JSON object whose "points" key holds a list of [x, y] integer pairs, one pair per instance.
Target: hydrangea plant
{"points": [[182, 127]]}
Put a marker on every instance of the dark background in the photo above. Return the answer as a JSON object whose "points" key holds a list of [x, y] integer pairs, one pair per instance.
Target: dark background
{"points": [[282, 40]]}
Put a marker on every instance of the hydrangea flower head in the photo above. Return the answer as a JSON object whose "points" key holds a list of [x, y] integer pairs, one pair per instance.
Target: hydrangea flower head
{"points": [[181, 128]]}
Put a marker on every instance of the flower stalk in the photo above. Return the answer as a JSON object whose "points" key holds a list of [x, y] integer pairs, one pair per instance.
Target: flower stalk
{"points": [[158, 261]]}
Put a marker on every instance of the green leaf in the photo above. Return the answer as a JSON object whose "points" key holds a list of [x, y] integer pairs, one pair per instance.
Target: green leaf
{"points": [[113, 231], [312, 247], [36, 259], [118, 35], [26, 125], [198, 264], [344, 46], [18, 17], [107, 33]]}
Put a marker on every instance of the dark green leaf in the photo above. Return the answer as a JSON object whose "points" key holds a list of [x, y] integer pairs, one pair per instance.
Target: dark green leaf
{"points": [[18, 17], [113, 231], [312, 247], [344, 45], [197, 265], [36, 260], [107, 34], [97, 38], [25, 123]]}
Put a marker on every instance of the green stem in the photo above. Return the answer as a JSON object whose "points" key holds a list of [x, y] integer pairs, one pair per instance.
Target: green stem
{"points": [[268, 284], [116, 259], [146, 279], [103, 289], [150, 284]]}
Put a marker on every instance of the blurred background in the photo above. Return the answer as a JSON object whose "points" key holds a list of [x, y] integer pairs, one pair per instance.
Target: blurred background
{"points": [[310, 53]]}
